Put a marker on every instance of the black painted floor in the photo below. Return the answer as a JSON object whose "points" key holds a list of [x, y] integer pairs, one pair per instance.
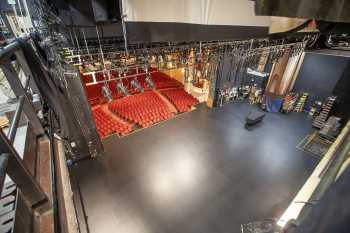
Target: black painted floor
{"points": [[199, 173]]}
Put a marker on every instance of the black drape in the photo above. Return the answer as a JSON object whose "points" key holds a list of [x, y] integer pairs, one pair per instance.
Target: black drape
{"points": [[328, 10]]}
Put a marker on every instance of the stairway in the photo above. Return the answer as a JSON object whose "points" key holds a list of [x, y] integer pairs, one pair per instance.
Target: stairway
{"points": [[321, 119]]}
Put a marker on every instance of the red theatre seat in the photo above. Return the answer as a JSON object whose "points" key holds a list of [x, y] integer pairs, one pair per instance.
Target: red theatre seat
{"points": [[163, 81], [180, 98], [144, 109], [94, 91], [106, 125]]}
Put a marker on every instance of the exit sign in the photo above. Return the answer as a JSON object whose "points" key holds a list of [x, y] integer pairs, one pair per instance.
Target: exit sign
{"points": [[11, 2]]}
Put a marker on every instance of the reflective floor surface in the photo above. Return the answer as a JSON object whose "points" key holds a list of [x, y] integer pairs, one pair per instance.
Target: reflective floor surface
{"points": [[201, 172]]}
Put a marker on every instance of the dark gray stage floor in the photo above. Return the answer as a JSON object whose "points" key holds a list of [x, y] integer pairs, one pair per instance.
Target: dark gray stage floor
{"points": [[199, 173]]}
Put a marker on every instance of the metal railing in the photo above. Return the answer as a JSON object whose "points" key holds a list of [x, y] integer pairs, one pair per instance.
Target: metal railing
{"points": [[63, 95], [10, 161]]}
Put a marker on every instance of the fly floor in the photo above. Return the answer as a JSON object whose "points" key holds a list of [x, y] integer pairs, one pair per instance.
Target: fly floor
{"points": [[201, 172]]}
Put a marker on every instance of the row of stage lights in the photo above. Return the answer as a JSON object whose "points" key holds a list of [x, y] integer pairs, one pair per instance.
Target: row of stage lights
{"points": [[203, 58]]}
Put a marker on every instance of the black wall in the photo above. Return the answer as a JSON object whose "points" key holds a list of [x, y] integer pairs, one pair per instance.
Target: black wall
{"points": [[85, 13], [166, 31], [342, 91], [323, 75], [319, 74]]}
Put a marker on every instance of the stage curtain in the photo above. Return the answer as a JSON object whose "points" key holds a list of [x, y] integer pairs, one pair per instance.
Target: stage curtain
{"points": [[327, 10], [295, 72], [284, 74], [290, 74], [273, 87]]}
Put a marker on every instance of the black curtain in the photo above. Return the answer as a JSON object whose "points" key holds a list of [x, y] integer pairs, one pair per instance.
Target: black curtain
{"points": [[320, 75], [328, 10], [139, 32], [342, 91], [87, 12]]}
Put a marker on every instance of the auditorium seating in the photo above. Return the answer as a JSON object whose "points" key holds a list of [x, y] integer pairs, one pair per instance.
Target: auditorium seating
{"points": [[163, 81], [180, 98], [94, 91], [145, 109], [106, 125]]}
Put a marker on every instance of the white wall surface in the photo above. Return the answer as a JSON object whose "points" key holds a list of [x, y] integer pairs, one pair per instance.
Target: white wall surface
{"points": [[214, 12]]}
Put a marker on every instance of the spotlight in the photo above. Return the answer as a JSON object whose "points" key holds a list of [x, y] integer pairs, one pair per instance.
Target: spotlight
{"points": [[149, 81], [106, 92], [137, 85], [121, 88]]}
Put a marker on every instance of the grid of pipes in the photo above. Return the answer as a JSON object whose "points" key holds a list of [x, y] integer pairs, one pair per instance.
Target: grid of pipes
{"points": [[198, 59]]}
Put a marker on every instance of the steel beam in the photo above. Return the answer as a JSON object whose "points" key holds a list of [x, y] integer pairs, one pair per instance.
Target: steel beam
{"points": [[9, 49], [15, 120]]}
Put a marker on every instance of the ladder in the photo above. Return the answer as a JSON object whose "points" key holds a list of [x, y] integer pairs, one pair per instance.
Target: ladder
{"points": [[321, 119]]}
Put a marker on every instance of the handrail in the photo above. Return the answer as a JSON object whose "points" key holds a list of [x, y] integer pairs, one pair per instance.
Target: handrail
{"points": [[9, 49], [320, 179], [15, 121], [37, 202]]}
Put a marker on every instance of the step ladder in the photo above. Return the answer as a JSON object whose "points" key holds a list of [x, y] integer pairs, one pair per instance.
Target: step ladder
{"points": [[301, 103], [321, 119]]}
